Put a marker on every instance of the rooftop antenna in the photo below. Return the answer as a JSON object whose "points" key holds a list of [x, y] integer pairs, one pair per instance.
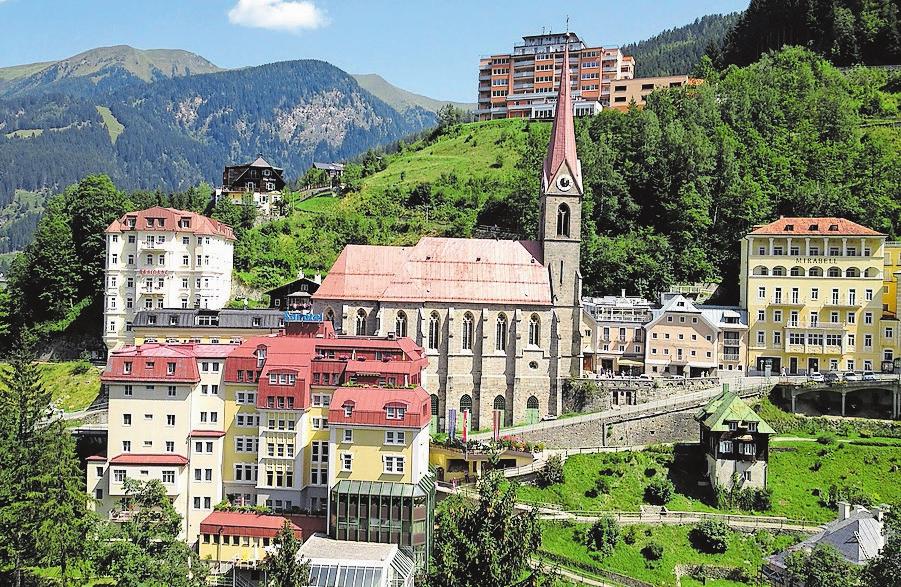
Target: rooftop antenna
{"points": [[567, 27]]}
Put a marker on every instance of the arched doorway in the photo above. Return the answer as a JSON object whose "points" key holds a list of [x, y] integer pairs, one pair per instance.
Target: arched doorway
{"points": [[465, 406], [500, 405], [532, 411]]}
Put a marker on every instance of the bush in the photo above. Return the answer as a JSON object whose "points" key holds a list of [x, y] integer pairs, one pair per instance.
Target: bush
{"points": [[81, 367], [603, 536], [552, 473], [630, 536], [828, 438], [652, 551], [849, 493], [650, 472], [710, 536], [659, 491]]}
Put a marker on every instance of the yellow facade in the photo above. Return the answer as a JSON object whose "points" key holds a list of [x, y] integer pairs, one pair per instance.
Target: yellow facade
{"points": [[454, 465], [231, 457], [815, 303], [242, 550], [892, 274], [367, 449]]}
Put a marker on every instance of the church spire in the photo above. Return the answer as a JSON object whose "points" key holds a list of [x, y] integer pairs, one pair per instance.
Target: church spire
{"points": [[562, 146]]}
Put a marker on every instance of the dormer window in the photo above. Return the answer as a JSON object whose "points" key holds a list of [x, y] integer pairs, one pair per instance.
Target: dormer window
{"points": [[733, 426], [150, 365], [789, 227], [752, 426], [126, 368], [814, 227], [348, 410], [184, 223], [395, 412], [261, 356], [170, 368], [833, 228], [150, 223]]}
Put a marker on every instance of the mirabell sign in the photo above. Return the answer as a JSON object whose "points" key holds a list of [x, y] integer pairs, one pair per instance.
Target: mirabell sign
{"points": [[302, 317], [817, 260]]}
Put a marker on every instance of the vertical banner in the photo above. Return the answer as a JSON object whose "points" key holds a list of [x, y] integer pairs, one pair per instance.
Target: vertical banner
{"points": [[496, 424], [465, 424], [452, 423]]}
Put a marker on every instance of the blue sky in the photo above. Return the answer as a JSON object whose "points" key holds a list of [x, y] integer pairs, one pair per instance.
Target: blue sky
{"points": [[427, 46]]}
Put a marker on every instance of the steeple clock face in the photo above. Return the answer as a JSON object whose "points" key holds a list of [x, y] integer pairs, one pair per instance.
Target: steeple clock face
{"points": [[564, 183]]}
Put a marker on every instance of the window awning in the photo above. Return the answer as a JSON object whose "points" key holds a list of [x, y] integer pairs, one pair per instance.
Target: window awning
{"points": [[630, 363]]}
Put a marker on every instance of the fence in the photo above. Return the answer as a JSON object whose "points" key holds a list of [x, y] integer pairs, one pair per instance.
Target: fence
{"points": [[593, 569]]}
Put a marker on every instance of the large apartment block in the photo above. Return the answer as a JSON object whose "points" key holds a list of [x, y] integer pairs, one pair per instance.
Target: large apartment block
{"points": [[283, 420], [163, 258], [524, 83], [814, 290]]}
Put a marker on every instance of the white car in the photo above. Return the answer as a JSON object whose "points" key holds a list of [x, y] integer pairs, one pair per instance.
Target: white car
{"points": [[851, 376], [645, 377], [869, 376], [816, 376], [548, 417]]}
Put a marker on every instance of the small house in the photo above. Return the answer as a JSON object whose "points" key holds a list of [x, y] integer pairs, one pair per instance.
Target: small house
{"points": [[736, 442]]}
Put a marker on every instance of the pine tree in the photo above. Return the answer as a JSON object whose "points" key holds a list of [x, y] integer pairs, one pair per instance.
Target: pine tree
{"points": [[283, 567]]}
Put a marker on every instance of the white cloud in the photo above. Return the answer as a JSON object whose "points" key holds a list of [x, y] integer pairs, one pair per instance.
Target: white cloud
{"points": [[285, 15]]}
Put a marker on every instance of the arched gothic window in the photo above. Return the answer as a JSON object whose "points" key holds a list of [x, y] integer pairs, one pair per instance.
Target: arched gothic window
{"points": [[400, 324], [534, 330], [361, 322], [467, 331], [434, 325], [500, 333], [563, 220]]}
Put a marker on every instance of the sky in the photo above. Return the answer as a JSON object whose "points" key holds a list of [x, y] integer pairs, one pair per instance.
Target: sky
{"points": [[431, 47]]}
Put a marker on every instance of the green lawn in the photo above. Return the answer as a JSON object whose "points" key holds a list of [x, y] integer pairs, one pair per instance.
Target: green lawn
{"points": [[793, 476], [317, 204], [563, 540], [25, 133], [71, 391]]}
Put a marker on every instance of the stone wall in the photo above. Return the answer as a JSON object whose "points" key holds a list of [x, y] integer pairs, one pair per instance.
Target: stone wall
{"points": [[676, 426], [632, 391]]}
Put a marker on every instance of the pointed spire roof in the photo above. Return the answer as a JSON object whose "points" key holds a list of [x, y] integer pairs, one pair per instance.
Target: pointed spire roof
{"points": [[562, 146]]}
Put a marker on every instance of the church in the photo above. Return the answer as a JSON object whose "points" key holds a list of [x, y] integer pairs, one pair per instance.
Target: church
{"points": [[498, 319]]}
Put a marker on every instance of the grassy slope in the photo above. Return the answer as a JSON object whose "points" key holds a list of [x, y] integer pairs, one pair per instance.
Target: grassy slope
{"points": [[311, 237], [113, 126], [399, 98], [790, 477], [71, 392], [17, 71], [743, 551]]}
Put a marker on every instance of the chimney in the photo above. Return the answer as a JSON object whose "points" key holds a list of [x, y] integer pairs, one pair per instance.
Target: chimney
{"points": [[300, 274], [622, 292], [318, 278], [844, 510]]}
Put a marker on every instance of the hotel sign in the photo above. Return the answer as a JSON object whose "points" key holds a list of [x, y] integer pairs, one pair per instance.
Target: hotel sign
{"points": [[302, 317], [817, 260]]}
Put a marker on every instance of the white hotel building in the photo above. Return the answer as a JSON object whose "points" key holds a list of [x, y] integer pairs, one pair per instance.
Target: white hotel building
{"points": [[163, 258]]}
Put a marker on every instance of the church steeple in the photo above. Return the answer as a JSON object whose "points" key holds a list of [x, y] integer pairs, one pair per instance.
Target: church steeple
{"points": [[561, 150]]}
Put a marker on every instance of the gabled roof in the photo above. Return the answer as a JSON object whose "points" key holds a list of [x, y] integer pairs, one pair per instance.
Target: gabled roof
{"points": [[370, 403], [562, 147], [245, 524], [150, 363], [814, 226], [858, 538], [129, 458], [167, 220], [728, 407], [473, 271]]}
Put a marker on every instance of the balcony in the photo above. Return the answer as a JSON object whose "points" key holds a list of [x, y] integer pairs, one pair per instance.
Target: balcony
{"points": [[786, 301], [843, 302], [730, 356], [818, 325]]}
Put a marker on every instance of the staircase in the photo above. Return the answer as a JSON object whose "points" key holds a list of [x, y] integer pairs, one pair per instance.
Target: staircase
{"points": [[228, 576]]}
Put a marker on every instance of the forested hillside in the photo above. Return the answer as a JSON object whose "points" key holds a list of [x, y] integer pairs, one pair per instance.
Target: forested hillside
{"points": [[678, 50], [847, 32]]}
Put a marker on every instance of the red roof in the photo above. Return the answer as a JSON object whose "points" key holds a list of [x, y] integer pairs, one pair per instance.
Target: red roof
{"points": [[815, 226], [206, 433], [562, 146], [437, 269], [370, 403], [245, 524], [150, 362], [97, 458], [129, 458], [171, 218]]}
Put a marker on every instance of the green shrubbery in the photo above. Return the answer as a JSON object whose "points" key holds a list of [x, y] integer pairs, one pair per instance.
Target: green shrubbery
{"points": [[659, 491], [743, 498], [710, 536], [603, 536], [551, 473]]}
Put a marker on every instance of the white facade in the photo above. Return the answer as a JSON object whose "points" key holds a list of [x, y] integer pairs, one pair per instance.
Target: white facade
{"points": [[163, 258]]}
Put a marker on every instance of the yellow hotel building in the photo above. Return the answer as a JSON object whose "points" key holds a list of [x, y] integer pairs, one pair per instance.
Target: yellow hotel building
{"points": [[814, 290]]}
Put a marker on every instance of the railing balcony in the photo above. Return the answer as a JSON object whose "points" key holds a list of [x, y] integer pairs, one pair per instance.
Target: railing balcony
{"points": [[730, 357]]}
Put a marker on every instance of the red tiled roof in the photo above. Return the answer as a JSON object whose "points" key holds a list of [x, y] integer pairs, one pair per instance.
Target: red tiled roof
{"points": [[206, 433], [815, 226], [160, 355], [245, 524], [129, 458], [97, 458], [198, 224], [369, 405], [440, 270], [562, 146]]}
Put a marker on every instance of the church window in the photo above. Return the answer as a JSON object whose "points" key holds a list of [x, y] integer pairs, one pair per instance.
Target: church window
{"points": [[400, 324], [534, 330], [361, 322], [467, 331], [500, 333], [434, 325], [466, 404], [563, 220]]}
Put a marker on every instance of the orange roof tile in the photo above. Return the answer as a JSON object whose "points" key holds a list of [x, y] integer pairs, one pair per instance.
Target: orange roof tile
{"points": [[148, 459], [198, 224], [369, 405], [440, 269], [245, 524], [815, 226]]}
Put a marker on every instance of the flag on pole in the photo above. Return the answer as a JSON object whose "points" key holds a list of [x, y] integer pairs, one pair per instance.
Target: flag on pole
{"points": [[496, 424], [465, 424], [452, 423]]}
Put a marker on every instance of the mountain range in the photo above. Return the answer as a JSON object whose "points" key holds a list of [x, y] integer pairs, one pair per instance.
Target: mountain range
{"points": [[169, 119]]}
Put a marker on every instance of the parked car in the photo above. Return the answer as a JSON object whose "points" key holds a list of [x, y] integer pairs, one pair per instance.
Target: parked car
{"points": [[851, 376], [869, 376], [645, 377], [548, 417], [815, 376], [832, 377]]}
